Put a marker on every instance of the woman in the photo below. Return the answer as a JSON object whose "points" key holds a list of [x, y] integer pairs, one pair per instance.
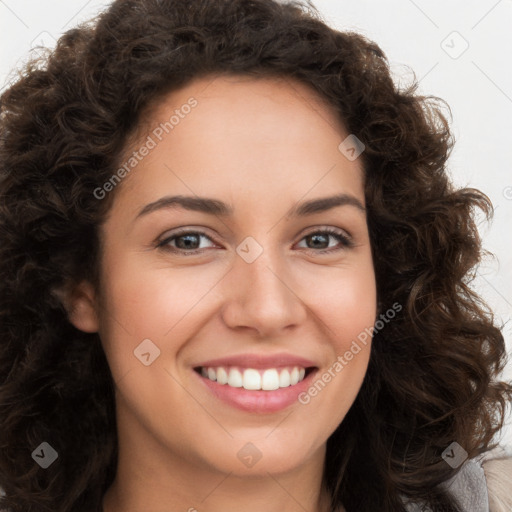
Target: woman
{"points": [[173, 336]]}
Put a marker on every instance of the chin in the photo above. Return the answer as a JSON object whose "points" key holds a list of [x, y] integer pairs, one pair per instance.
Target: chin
{"points": [[262, 455]]}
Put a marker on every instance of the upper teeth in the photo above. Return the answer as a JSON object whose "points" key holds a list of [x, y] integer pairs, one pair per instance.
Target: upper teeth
{"points": [[252, 379]]}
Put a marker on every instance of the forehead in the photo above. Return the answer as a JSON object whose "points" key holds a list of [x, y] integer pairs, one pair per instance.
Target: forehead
{"points": [[233, 91], [272, 137], [276, 112]]}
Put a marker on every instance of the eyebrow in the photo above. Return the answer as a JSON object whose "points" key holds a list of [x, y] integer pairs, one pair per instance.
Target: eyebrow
{"points": [[216, 207]]}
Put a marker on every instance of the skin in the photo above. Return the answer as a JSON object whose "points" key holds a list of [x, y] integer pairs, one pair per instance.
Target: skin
{"points": [[261, 146]]}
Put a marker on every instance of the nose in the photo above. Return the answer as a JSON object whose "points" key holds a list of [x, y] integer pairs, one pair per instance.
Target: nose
{"points": [[263, 296]]}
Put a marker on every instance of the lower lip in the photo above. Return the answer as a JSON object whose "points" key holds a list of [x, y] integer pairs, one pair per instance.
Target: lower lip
{"points": [[258, 401]]}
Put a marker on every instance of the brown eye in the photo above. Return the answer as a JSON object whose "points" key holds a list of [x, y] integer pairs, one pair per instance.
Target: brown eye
{"points": [[318, 241], [185, 242]]}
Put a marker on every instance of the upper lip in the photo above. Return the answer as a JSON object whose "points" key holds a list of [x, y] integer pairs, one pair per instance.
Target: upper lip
{"points": [[259, 361]]}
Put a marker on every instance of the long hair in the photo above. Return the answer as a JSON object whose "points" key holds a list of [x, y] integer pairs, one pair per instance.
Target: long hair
{"points": [[64, 124]]}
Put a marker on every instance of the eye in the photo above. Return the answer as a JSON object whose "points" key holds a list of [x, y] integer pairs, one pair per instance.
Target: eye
{"points": [[320, 238], [189, 242], [186, 242]]}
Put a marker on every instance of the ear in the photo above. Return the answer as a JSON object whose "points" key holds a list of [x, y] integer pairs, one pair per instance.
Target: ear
{"points": [[81, 305]]}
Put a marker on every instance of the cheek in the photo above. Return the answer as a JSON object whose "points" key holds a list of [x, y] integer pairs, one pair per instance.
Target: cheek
{"points": [[150, 303], [357, 310], [346, 307], [345, 300], [151, 299]]}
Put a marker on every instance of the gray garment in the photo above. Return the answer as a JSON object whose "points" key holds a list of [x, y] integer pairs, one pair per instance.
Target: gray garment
{"points": [[468, 487]]}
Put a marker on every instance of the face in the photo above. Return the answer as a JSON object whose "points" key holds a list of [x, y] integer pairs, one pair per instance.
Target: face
{"points": [[240, 282]]}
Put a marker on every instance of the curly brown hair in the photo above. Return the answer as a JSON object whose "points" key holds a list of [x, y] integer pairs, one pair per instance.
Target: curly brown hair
{"points": [[64, 124]]}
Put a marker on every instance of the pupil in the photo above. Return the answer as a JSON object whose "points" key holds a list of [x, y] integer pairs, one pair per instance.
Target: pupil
{"points": [[316, 237], [186, 244]]}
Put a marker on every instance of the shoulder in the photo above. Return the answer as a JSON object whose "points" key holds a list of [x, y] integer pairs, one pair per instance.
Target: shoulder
{"points": [[497, 466]]}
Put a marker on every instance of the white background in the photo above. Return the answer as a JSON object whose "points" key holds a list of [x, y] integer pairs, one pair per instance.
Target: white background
{"points": [[428, 38]]}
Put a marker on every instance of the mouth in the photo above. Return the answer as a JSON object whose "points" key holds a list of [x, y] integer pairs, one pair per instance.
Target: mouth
{"points": [[252, 379], [256, 390]]}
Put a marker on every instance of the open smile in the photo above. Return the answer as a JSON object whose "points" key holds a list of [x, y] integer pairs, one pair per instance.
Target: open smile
{"points": [[256, 390]]}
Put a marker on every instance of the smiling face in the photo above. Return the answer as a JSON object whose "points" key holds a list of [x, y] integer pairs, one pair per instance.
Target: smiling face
{"points": [[243, 268]]}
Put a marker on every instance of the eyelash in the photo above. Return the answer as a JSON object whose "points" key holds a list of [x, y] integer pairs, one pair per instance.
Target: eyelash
{"points": [[344, 240]]}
